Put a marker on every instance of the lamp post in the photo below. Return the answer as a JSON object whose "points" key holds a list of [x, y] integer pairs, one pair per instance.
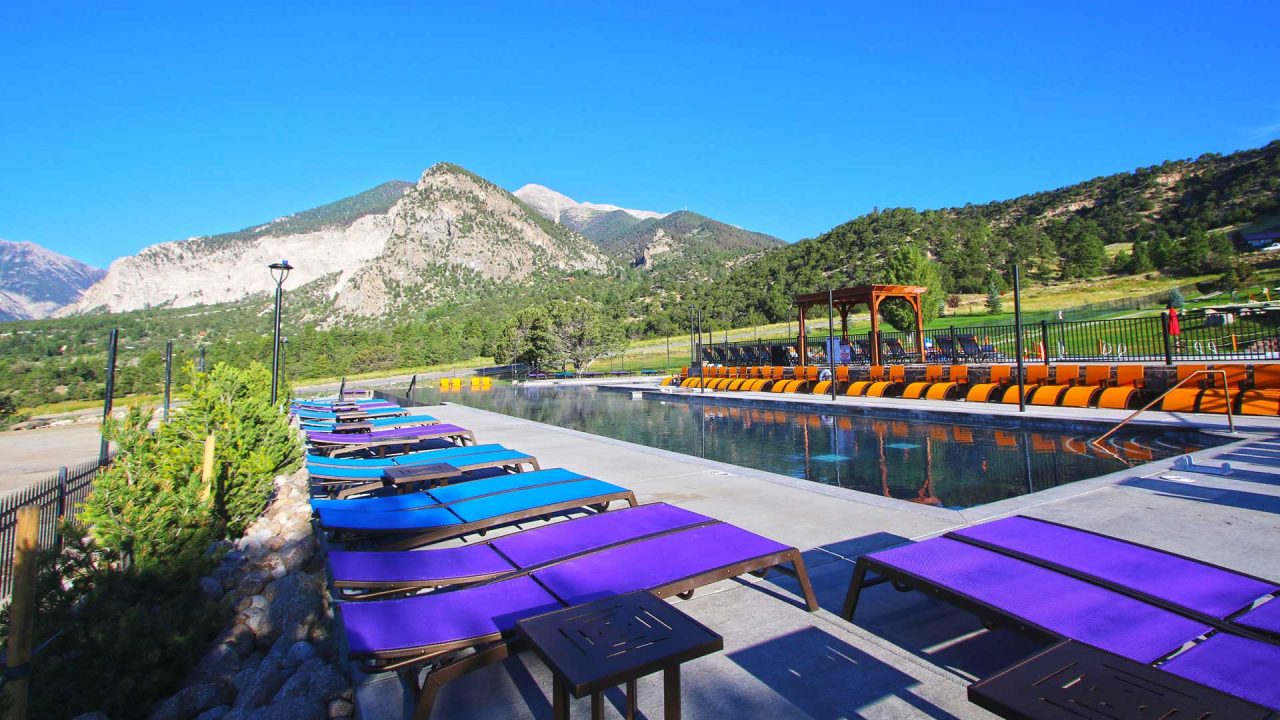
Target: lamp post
{"points": [[279, 271], [284, 360]]}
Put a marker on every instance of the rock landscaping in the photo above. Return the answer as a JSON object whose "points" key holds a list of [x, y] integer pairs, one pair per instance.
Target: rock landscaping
{"points": [[276, 659]]}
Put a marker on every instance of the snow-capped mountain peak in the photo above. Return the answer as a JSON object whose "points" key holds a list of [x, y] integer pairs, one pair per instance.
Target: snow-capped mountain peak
{"points": [[560, 208]]}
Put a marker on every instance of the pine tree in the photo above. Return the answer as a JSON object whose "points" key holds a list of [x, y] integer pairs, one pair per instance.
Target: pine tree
{"points": [[995, 303]]}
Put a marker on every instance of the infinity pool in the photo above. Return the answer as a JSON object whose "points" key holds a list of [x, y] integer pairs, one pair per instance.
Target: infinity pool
{"points": [[948, 465]]}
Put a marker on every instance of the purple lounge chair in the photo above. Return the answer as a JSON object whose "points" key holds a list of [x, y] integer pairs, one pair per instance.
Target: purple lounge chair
{"points": [[373, 575], [463, 630], [1006, 590], [1214, 595], [341, 443]]}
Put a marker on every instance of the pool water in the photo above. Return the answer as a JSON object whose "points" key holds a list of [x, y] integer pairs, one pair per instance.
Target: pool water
{"points": [[942, 464]]}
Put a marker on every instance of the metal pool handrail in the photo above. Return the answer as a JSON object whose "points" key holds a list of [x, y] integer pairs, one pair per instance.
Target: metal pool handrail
{"points": [[1226, 389]]}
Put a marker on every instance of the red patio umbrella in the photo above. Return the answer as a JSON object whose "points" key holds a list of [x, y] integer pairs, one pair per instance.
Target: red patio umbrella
{"points": [[1174, 330]]}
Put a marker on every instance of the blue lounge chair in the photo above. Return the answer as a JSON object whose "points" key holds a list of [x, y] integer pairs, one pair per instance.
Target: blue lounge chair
{"points": [[420, 518]]}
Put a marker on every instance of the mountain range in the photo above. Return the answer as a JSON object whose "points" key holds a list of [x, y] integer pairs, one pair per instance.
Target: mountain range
{"points": [[453, 236], [35, 281], [403, 245], [644, 238]]}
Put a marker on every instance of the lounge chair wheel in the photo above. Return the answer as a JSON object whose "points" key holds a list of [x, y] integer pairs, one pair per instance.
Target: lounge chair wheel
{"points": [[685, 595], [600, 507], [760, 573], [899, 586]]}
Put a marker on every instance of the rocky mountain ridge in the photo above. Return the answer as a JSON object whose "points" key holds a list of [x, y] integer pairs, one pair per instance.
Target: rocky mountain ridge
{"points": [[35, 281], [367, 255], [643, 238]]}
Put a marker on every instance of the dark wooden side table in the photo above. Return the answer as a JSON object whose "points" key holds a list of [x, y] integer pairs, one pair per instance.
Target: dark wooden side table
{"points": [[404, 477], [1071, 680], [596, 646]]}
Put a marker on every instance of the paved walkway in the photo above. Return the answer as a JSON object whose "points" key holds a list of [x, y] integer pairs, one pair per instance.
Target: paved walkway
{"points": [[31, 455], [905, 655]]}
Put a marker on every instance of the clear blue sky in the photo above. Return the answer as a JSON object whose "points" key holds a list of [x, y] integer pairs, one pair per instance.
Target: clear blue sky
{"points": [[126, 124]]}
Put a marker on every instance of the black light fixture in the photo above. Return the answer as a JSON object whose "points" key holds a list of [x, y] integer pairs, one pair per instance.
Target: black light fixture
{"points": [[279, 271]]}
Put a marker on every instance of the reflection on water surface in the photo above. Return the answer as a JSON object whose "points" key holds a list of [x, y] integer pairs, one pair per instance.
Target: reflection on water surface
{"points": [[941, 464]]}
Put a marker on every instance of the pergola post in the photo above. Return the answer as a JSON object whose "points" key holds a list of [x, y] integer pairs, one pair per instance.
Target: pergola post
{"points": [[875, 329], [844, 322], [915, 302], [800, 348]]}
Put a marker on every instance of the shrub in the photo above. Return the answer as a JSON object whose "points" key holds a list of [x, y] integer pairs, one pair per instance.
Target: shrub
{"points": [[123, 599], [151, 504], [1176, 299], [123, 638]]}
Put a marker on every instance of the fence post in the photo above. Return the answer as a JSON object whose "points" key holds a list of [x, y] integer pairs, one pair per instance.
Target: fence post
{"points": [[1044, 340], [1168, 342], [951, 351], [168, 376], [22, 610], [206, 469], [62, 505], [113, 340]]}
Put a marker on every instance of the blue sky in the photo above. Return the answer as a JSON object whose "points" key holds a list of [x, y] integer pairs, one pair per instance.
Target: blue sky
{"points": [[126, 124]]}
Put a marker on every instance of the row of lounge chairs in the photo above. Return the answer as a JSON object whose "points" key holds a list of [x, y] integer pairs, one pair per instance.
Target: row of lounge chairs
{"points": [[1253, 390], [407, 603], [1209, 624], [452, 609]]}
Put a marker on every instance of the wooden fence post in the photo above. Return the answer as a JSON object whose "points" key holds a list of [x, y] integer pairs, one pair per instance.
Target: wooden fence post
{"points": [[206, 471], [22, 609]]}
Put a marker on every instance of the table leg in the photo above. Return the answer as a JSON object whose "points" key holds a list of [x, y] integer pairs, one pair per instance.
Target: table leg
{"points": [[597, 706], [671, 692], [631, 699], [559, 699]]}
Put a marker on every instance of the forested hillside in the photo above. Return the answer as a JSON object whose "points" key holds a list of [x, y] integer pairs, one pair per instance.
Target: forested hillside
{"points": [[1177, 218]]}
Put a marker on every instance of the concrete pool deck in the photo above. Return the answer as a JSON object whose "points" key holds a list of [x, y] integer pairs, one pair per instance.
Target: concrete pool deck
{"points": [[905, 655]]}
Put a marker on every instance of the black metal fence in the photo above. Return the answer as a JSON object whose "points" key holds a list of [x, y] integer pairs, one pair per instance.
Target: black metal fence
{"points": [[58, 497], [1247, 334]]}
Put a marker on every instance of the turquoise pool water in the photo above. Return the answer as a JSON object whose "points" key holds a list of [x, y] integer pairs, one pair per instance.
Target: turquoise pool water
{"points": [[947, 465]]}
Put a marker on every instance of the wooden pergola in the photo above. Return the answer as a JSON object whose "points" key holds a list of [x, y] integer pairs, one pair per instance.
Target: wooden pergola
{"points": [[844, 299]]}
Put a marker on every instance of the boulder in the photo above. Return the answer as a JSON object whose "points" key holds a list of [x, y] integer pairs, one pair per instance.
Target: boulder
{"points": [[262, 685], [341, 709], [217, 713], [191, 701], [219, 665], [291, 709]]}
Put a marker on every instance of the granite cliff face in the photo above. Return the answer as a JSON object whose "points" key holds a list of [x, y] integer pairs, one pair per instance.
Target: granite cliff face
{"points": [[453, 232], [367, 255], [34, 281]]}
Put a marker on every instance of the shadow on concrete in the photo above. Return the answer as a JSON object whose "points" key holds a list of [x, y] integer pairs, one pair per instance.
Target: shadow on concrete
{"points": [[1215, 496], [826, 677], [1251, 455], [1237, 473]]}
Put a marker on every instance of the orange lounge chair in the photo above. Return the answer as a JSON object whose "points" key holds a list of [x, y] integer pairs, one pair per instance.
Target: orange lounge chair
{"points": [[1263, 397], [985, 392], [1036, 375], [1096, 379], [916, 390], [1127, 389], [897, 376], [957, 377], [859, 388], [1065, 377]]}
